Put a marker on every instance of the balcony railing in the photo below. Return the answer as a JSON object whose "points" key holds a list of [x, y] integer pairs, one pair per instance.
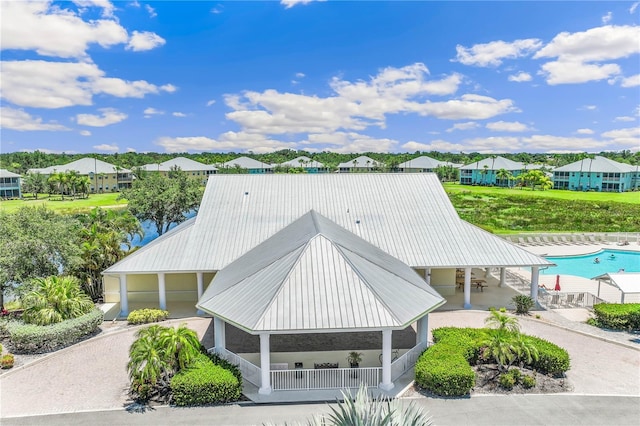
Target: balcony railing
{"points": [[325, 378]]}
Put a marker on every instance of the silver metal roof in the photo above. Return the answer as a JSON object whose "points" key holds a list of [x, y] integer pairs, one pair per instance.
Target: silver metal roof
{"points": [[306, 163], [627, 282], [7, 173], [314, 275], [185, 164], [83, 166], [407, 215], [598, 164], [360, 162], [246, 163], [423, 162], [499, 163]]}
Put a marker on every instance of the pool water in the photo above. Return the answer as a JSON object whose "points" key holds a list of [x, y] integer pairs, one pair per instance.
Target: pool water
{"points": [[585, 266]]}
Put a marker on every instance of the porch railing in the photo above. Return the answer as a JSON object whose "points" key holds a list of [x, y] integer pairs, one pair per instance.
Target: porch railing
{"points": [[325, 378], [553, 300], [406, 361], [250, 372]]}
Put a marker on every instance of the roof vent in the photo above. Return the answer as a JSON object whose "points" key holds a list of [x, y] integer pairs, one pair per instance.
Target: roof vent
{"points": [[246, 193], [358, 221]]}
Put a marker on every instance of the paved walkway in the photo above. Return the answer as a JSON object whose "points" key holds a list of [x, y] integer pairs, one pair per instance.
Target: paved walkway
{"points": [[91, 376]]}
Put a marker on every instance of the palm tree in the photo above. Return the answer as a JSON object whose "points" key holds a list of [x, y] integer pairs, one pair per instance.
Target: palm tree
{"points": [[483, 172], [581, 158], [591, 157], [147, 358], [55, 299], [504, 174], [181, 344], [502, 322], [501, 344], [35, 183]]}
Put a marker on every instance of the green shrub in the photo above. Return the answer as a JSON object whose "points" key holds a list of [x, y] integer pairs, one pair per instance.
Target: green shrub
{"points": [[30, 338], [1, 348], [203, 383], [218, 360], [552, 359], [443, 370], [618, 316], [507, 381], [466, 339], [528, 382], [523, 304], [145, 316], [6, 361]]}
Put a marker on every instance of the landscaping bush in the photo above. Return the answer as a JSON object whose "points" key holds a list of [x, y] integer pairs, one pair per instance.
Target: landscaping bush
{"points": [[218, 360], [507, 381], [145, 316], [552, 359], [443, 370], [523, 304], [528, 382], [618, 316], [203, 382], [6, 361], [465, 339], [30, 338]]}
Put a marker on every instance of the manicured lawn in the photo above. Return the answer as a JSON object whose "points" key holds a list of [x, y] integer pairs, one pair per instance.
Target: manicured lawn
{"points": [[107, 200], [619, 197]]}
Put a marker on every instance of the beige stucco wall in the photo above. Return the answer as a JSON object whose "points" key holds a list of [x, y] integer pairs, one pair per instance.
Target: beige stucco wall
{"points": [[144, 287], [444, 281]]}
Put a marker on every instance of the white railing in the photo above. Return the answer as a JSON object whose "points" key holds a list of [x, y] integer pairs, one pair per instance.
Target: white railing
{"points": [[554, 300], [406, 361], [325, 378], [250, 372]]}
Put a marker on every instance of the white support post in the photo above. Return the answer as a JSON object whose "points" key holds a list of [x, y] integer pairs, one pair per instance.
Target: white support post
{"points": [[124, 297], [535, 278], [503, 277], [386, 384], [467, 288], [422, 332], [219, 338], [265, 365], [427, 275], [200, 279], [162, 291]]}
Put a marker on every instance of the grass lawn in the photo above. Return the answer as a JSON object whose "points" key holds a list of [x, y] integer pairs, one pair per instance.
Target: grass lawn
{"points": [[619, 197], [106, 200]]}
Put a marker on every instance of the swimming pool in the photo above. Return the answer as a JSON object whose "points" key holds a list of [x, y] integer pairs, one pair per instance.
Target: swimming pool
{"points": [[585, 266]]}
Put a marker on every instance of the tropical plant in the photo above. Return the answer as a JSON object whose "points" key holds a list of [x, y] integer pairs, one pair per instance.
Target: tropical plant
{"points": [[55, 299], [35, 183], [502, 322], [504, 175], [354, 358], [523, 303], [182, 344]]}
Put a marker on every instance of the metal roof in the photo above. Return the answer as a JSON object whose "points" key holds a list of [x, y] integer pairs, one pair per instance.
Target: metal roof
{"points": [[185, 164], [499, 163], [306, 163], [423, 162], [246, 163], [360, 162], [7, 173], [83, 166], [598, 164], [407, 215], [314, 275], [627, 282]]}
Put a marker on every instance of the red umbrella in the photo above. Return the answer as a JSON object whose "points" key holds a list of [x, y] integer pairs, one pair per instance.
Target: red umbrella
{"points": [[557, 287]]}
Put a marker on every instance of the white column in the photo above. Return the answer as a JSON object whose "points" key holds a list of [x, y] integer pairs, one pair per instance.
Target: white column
{"points": [[503, 275], [200, 279], [427, 275], [467, 288], [386, 384], [265, 365], [162, 292], [422, 332], [219, 338], [535, 276], [124, 298]]}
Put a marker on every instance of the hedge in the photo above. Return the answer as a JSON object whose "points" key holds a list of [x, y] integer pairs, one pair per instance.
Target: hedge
{"points": [[618, 316], [33, 339], [218, 360], [145, 316], [552, 359], [204, 383]]}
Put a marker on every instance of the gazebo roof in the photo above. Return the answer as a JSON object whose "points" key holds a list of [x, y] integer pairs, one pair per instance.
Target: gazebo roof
{"points": [[627, 282], [315, 276]]}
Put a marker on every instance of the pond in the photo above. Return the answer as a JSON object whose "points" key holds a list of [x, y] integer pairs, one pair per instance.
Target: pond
{"points": [[150, 233]]}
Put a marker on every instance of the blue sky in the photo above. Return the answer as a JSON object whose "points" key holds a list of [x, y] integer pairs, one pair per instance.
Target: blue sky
{"points": [[489, 77]]}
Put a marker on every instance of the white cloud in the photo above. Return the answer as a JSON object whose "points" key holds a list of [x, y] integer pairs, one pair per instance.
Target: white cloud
{"points": [[580, 55], [44, 84], [106, 147], [633, 7], [178, 114], [625, 118], [149, 112], [55, 31], [507, 126], [144, 40], [85, 133], [437, 145], [107, 7], [550, 143], [520, 77], [217, 9], [469, 125], [229, 141], [628, 137], [632, 81], [607, 18], [129, 149], [108, 116], [349, 142], [17, 119], [300, 75], [288, 4], [492, 54], [588, 107], [151, 11], [211, 102], [584, 131]]}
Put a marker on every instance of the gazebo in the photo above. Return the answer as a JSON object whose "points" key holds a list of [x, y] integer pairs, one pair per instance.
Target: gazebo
{"points": [[314, 276], [626, 282]]}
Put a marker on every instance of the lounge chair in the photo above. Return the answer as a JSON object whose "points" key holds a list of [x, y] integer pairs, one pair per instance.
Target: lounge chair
{"points": [[577, 239], [570, 299], [556, 240], [522, 242], [592, 239], [579, 300], [531, 241], [538, 241], [565, 241], [547, 241], [555, 301]]}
